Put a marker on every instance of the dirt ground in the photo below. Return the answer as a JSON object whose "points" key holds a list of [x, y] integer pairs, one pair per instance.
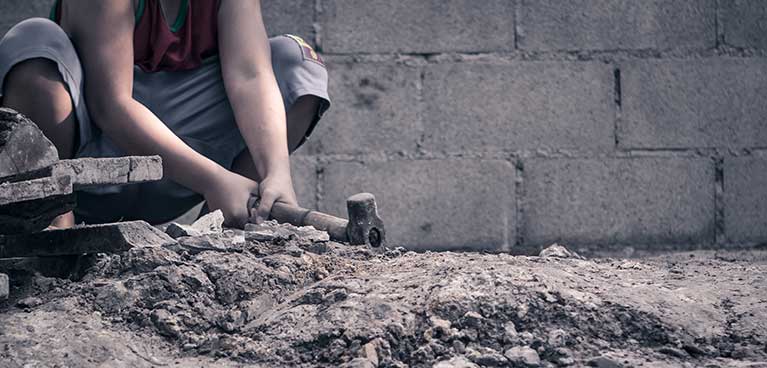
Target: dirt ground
{"points": [[222, 300]]}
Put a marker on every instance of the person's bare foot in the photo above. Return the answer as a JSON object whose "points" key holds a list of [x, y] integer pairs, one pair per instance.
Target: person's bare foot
{"points": [[64, 221]]}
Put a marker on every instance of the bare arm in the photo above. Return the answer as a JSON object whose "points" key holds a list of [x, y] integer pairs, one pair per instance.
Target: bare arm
{"points": [[103, 34], [255, 98]]}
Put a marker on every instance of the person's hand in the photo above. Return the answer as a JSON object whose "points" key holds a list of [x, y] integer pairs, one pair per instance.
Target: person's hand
{"points": [[229, 193], [274, 188]]}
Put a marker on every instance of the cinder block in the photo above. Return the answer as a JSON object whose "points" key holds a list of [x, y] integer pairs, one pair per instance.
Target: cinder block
{"points": [[525, 105], [380, 26], [616, 24], [624, 201], [717, 102], [432, 204], [744, 23], [14, 11], [289, 16], [375, 108], [304, 173], [745, 199]]}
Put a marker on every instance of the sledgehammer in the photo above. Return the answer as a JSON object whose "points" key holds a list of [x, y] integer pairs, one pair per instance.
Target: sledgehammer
{"points": [[363, 227]]}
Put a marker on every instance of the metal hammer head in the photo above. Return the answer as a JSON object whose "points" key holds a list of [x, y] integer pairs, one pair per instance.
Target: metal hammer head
{"points": [[365, 227]]}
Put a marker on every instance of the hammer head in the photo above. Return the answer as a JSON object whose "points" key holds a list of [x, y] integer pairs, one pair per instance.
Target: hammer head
{"points": [[365, 227]]}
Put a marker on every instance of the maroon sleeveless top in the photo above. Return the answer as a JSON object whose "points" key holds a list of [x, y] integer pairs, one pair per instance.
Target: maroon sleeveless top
{"points": [[182, 45]]}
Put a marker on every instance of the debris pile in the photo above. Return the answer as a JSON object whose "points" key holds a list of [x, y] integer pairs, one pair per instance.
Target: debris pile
{"points": [[278, 295]]}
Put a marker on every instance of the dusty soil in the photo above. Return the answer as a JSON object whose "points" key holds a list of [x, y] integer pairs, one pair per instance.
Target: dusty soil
{"points": [[221, 300]]}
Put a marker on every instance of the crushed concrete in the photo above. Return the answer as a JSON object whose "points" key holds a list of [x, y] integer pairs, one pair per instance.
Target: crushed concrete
{"points": [[227, 299]]}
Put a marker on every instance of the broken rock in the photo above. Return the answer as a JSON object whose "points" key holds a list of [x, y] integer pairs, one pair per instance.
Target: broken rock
{"points": [[523, 356], [210, 223], [23, 147], [177, 230], [558, 251], [4, 286]]}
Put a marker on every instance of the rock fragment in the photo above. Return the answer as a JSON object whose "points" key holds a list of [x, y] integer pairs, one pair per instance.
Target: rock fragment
{"points": [[558, 251], [23, 147], [176, 231], [210, 223], [456, 362], [523, 356], [5, 287], [603, 362], [269, 231]]}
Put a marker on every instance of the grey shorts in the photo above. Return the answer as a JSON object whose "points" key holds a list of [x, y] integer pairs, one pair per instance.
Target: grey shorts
{"points": [[193, 104]]}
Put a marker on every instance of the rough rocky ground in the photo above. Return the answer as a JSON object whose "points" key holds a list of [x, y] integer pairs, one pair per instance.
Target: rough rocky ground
{"points": [[239, 299]]}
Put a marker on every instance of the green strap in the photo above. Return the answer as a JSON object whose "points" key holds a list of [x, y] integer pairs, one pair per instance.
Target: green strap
{"points": [[139, 11], [181, 17], [52, 16]]}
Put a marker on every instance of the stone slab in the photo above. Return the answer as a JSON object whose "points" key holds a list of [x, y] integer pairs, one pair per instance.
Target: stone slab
{"points": [[643, 201], [716, 102], [381, 26], [106, 238], [35, 189], [616, 24], [88, 171], [743, 23], [745, 200], [431, 204], [524, 105]]}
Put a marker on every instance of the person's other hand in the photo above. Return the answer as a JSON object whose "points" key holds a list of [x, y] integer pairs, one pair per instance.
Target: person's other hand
{"points": [[274, 188], [230, 193]]}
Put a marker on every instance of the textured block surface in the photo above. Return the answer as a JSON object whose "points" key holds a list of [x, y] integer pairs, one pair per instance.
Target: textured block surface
{"points": [[289, 16], [745, 23], [525, 105], [616, 24], [304, 172], [375, 26], [694, 103], [375, 108], [745, 193], [433, 204], [14, 11], [618, 201]]}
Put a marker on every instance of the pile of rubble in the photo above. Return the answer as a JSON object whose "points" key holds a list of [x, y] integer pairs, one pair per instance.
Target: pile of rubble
{"points": [[277, 295]]}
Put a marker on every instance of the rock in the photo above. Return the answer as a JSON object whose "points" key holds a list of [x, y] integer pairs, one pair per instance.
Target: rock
{"points": [[603, 362], [472, 319], [558, 251], [490, 360], [557, 338], [370, 352], [674, 352], [29, 302], [166, 323], [87, 172], [509, 331], [104, 238], [203, 243], [456, 362], [23, 146], [271, 230], [5, 287], [358, 363], [210, 223], [177, 230], [523, 356]]}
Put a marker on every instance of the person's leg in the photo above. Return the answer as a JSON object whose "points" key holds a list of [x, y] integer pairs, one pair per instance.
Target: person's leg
{"points": [[300, 116], [41, 77]]}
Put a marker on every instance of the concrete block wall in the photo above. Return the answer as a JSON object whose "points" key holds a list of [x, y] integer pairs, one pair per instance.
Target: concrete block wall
{"points": [[507, 125]]}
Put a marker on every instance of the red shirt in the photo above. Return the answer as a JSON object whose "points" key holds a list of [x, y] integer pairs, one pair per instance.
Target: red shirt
{"points": [[182, 45]]}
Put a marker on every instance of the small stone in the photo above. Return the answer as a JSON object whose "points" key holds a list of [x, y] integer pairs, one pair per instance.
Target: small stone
{"points": [[523, 355], [472, 319], [557, 338], [177, 230], [603, 362], [29, 302], [558, 251], [210, 223], [166, 323], [459, 346], [490, 360], [4, 286], [456, 362], [370, 352], [260, 235], [674, 352], [358, 363]]}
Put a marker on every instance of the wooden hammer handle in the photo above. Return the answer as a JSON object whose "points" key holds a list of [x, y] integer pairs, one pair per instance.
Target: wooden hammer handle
{"points": [[335, 226]]}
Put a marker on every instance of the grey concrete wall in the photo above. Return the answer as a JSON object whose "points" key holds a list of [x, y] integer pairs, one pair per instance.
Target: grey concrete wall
{"points": [[507, 125]]}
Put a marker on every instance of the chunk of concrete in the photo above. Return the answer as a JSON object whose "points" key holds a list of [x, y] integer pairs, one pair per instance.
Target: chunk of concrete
{"points": [[178, 230], [86, 172], [558, 251], [106, 238], [34, 189], [271, 230], [210, 223], [5, 288], [23, 147]]}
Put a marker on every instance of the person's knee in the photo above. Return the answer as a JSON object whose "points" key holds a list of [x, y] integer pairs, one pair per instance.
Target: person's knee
{"points": [[35, 30]]}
